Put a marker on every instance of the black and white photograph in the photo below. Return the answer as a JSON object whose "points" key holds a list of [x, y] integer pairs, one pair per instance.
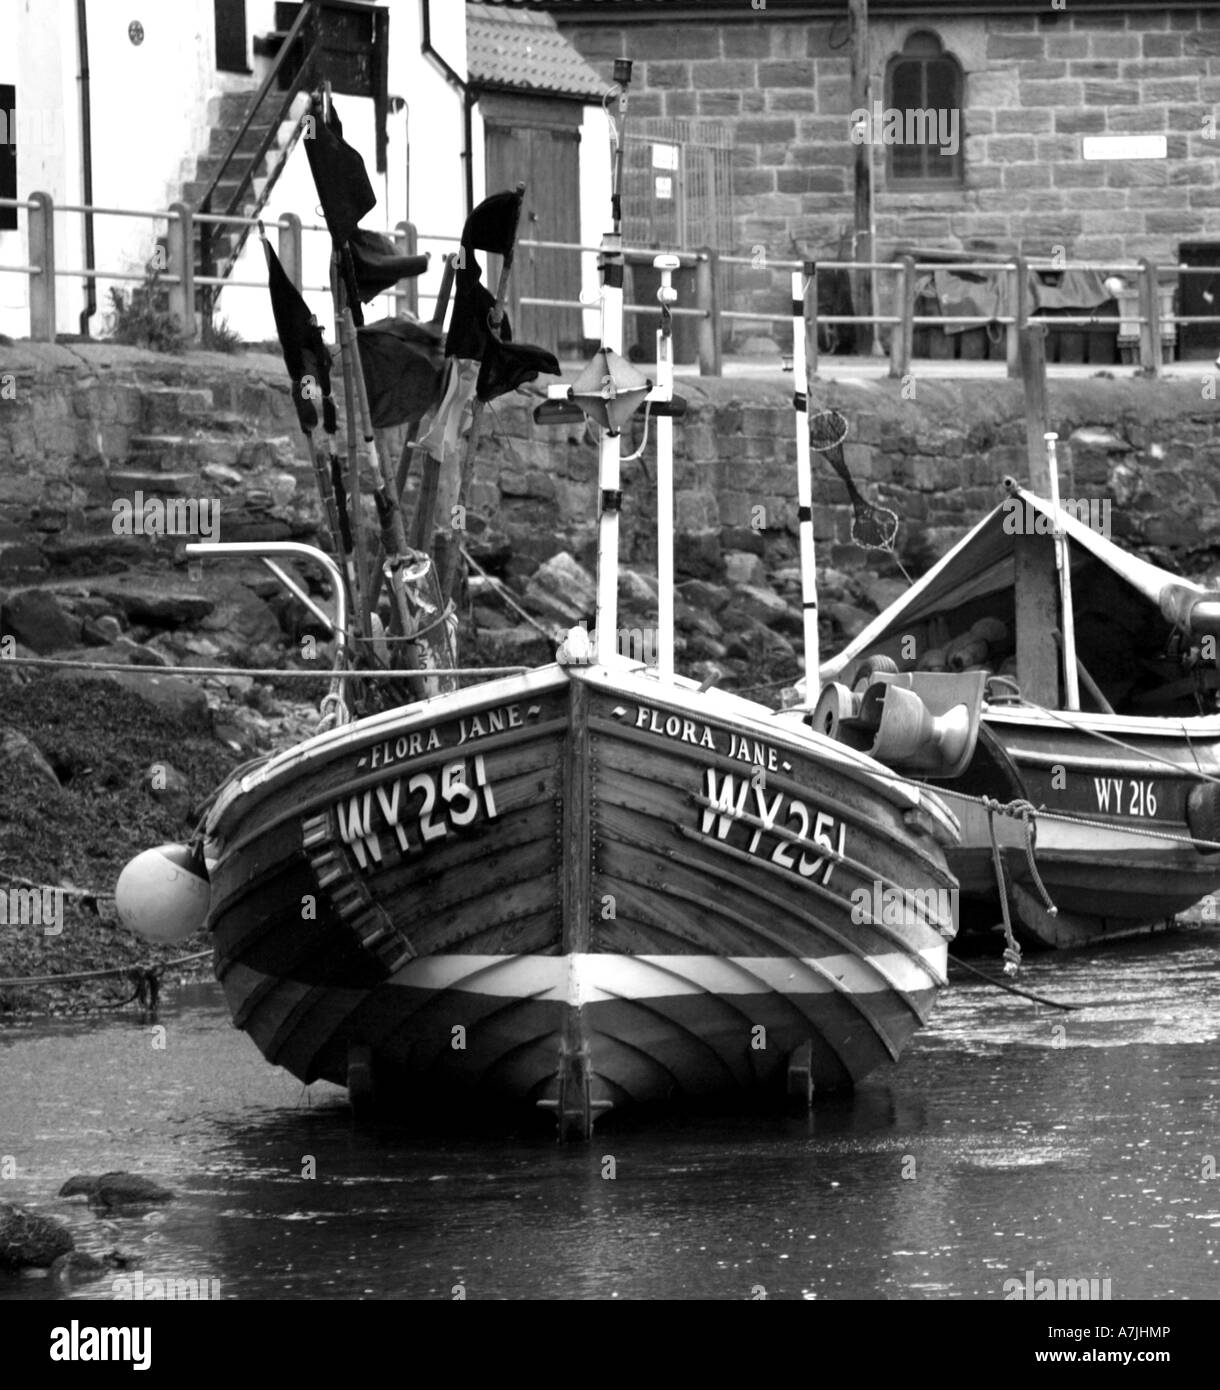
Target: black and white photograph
{"points": [[609, 673]]}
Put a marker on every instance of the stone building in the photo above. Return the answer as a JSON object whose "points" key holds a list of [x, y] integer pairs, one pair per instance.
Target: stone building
{"points": [[1030, 154]]}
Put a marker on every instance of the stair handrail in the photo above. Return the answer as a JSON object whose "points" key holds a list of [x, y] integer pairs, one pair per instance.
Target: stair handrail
{"points": [[310, 9]]}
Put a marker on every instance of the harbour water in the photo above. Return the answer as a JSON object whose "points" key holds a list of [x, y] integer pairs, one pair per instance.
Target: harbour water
{"points": [[1014, 1142]]}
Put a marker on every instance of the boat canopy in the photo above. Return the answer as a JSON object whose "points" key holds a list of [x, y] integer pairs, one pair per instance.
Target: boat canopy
{"points": [[1127, 610]]}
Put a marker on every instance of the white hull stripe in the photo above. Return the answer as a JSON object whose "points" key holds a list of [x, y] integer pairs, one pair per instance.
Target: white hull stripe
{"points": [[593, 978]]}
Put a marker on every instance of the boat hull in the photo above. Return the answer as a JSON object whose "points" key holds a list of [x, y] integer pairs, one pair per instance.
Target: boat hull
{"points": [[1116, 852], [579, 888]]}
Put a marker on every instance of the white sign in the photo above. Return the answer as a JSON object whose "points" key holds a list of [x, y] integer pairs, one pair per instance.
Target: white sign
{"points": [[665, 186], [1125, 147], [664, 156]]}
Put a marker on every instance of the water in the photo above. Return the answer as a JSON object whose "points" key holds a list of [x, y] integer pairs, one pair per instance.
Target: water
{"points": [[1012, 1137]]}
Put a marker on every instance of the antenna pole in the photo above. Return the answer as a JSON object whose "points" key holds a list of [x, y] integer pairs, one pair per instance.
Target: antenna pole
{"points": [[610, 264], [802, 287]]}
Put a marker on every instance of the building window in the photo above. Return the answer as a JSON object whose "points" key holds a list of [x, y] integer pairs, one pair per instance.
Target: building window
{"points": [[923, 98], [8, 154]]}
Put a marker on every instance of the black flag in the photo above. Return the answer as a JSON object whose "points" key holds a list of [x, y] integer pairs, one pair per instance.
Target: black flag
{"points": [[378, 265], [338, 174], [403, 362], [305, 354], [505, 365]]}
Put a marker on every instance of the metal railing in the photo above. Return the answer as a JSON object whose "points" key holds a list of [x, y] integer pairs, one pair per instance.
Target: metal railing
{"points": [[1145, 322]]}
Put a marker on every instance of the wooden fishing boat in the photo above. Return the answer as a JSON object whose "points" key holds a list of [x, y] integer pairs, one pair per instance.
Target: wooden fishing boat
{"points": [[587, 885], [582, 886], [1099, 726]]}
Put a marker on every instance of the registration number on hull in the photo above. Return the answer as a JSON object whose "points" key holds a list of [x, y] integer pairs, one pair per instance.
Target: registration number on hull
{"points": [[764, 816], [418, 809], [1129, 796]]}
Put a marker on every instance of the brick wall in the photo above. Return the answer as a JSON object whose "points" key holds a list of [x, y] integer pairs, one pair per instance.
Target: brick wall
{"points": [[1034, 85]]}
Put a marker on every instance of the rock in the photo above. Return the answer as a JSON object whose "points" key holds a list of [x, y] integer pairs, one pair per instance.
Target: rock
{"points": [[851, 620], [100, 632], [760, 604], [28, 1240], [116, 1190], [79, 1267], [164, 602], [180, 699], [562, 589], [167, 785], [637, 589], [740, 567], [881, 591], [710, 598], [36, 619], [18, 754], [517, 646], [697, 554], [239, 618], [1093, 437]]}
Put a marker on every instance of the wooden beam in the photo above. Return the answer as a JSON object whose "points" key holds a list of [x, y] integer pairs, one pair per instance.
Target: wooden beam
{"points": [[1033, 376], [863, 206], [1037, 615]]}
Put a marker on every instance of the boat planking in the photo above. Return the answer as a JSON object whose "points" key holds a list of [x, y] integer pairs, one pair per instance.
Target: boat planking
{"points": [[580, 880]]}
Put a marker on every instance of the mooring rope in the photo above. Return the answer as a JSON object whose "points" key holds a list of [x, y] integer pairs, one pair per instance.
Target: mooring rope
{"points": [[261, 672]]}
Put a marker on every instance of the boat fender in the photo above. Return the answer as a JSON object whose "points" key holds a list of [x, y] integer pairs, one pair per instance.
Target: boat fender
{"points": [[907, 731], [1203, 816], [163, 894]]}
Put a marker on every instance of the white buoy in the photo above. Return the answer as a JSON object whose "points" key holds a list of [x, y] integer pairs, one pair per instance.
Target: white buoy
{"points": [[163, 893]]}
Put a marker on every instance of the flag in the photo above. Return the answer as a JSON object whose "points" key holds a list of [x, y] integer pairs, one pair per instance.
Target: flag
{"points": [[305, 354], [492, 226], [403, 363], [378, 265], [504, 365], [338, 174]]}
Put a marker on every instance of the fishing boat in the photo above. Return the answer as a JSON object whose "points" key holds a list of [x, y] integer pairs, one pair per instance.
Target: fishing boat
{"points": [[595, 884], [1093, 791]]}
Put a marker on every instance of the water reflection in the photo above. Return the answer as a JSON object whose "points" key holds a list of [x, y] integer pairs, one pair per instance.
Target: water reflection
{"points": [[1011, 1137]]}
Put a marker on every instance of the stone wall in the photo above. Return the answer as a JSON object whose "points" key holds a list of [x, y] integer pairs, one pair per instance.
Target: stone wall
{"points": [[1034, 86], [82, 426]]}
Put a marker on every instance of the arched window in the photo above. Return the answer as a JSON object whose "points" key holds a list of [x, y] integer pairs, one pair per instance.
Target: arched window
{"points": [[923, 98]]}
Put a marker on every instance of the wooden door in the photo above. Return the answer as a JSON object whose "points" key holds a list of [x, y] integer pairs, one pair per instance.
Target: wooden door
{"points": [[537, 142], [231, 36]]}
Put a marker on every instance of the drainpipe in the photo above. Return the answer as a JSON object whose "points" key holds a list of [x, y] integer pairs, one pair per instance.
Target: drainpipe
{"points": [[468, 99], [86, 143]]}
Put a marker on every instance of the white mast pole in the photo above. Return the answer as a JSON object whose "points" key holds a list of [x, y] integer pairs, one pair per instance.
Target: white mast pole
{"points": [[664, 392], [1063, 563], [804, 492], [610, 262]]}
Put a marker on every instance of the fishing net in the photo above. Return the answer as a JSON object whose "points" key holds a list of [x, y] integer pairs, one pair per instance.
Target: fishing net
{"points": [[873, 527]]}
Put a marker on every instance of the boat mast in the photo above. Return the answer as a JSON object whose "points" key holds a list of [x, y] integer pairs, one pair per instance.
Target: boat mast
{"points": [[663, 395], [802, 287], [1063, 563], [610, 264]]}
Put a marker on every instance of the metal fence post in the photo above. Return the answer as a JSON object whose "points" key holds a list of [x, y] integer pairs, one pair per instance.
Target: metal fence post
{"points": [[41, 232], [406, 292], [706, 298], [1150, 315], [1018, 300], [903, 334], [180, 240], [288, 246]]}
